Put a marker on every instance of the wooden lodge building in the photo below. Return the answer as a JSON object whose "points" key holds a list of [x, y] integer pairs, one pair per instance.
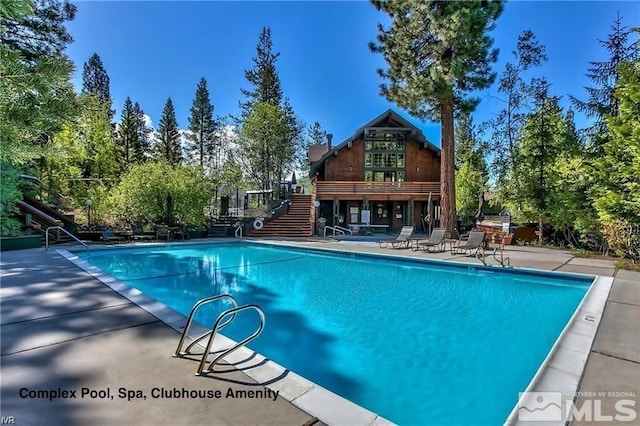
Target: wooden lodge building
{"points": [[382, 175]]}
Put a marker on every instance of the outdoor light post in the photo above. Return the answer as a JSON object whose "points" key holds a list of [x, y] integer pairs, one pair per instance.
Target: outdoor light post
{"points": [[89, 203]]}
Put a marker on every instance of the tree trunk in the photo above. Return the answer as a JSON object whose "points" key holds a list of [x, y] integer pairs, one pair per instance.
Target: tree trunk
{"points": [[448, 217]]}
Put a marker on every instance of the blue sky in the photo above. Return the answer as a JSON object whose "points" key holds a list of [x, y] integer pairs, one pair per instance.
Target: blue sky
{"points": [[155, 50]]}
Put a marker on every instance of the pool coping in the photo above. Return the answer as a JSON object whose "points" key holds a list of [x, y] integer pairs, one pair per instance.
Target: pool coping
{"points": [[561, 370], [299, 391]]}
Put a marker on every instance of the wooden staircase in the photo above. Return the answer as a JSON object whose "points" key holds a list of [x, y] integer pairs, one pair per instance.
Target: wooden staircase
{"points": [[295, 223]]}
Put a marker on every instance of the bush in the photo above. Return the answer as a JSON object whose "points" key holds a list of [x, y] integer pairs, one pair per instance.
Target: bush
{"points": [[156, 192]]}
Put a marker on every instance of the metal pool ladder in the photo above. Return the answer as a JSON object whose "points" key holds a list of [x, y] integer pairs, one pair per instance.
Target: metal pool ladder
{"points": [[218, 325]]}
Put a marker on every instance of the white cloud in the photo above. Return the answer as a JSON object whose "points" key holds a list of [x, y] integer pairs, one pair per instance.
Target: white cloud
{"points": [[147, 120]]}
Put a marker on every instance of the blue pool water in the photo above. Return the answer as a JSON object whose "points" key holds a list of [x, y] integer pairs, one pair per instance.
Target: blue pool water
{"points": [[416, 342]]}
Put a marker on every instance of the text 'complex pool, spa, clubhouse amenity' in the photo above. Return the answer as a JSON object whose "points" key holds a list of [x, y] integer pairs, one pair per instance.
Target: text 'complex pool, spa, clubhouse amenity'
{"points": [[411, 340]]}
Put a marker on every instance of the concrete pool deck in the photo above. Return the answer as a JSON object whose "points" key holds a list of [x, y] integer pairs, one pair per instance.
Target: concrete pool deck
{"points": [[62, 328]]}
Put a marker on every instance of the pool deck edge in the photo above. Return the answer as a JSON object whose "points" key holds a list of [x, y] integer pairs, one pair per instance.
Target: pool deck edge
{"points": [[302, 393]]}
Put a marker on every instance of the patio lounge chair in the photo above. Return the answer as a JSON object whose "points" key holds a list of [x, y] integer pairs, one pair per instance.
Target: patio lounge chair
{"points": [[163, 231], [401, 240], [435, 241], [109, 237], [471, 246], [139, 235]]}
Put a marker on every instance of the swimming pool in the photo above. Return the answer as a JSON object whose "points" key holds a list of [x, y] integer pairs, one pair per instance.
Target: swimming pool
{"points": [[414, 341]]}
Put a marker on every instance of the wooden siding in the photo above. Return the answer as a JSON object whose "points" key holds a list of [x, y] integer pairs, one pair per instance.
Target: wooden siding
{"points": [[421, 165], [348, 165]]}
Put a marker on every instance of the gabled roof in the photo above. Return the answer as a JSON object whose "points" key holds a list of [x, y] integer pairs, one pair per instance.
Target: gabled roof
{"points": [[387, 116]]}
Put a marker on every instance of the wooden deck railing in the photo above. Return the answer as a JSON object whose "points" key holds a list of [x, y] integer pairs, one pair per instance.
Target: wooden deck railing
{"points": [[338, 188]]}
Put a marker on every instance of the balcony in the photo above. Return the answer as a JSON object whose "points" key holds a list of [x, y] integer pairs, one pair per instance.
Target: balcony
{"points": [[393, 191]]}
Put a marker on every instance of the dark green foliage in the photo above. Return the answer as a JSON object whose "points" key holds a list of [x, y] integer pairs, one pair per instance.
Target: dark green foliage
{"points": [[168, 138], [128, 140], [617, 192], [506, 128], [601, 100], [316, 134], [264, 78], [95, 80], [202, 140], [143, 151], [437, 52], [38, 34], [471, 168], [271, 131]]}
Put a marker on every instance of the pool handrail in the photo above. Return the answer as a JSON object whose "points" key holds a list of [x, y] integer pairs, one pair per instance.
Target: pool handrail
{"points": [[60, 228], [343, 229], [198, 304], [216, 327], [336, 228]]}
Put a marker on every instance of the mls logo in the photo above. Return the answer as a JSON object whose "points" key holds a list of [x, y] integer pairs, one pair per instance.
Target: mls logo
{"points": [[540, 406]]}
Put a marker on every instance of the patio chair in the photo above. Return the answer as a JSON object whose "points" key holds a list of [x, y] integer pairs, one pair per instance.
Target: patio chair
{"points": [[180, 232], [436, 240], [401, 240], [470, 247], [109, 237], [138, 233], [163, 231]]}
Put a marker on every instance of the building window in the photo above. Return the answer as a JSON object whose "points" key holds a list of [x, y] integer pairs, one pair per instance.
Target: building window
{"points": [[384, 157]]}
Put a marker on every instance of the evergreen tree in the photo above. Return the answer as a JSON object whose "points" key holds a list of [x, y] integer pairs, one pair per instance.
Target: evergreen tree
{"points": [[545, 138], [262, 132], [617, 191], [129, 144], [264, 78], [292, 150], [471, 168], [168, 139], [316, 135], [437, 52], [201, 142], [95, 80], [95, 132], [278, 137], [507, 126], [142, 152], [601, 100], [36, 29]]}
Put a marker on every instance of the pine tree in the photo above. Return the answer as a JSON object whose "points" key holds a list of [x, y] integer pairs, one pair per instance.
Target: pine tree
{"points": [[292, 148], [617, 191], [128, 137], [142, 151], [201, 142], [262, 132], [471, 168], [168, 139], [437, 52], [316, 135], [38, 34], [264, 77], [507, 126], [601, 100], [95, 80], [543, 141]]}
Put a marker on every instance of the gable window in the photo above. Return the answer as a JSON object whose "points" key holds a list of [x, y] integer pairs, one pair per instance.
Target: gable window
{"points": [[384, 157]]}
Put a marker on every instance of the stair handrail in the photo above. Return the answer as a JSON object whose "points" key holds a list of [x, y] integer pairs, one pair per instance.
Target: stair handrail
{"points": [[60, 228], [279, 209], [239, 231], [216, 327], [333, 228], [179, 352]]}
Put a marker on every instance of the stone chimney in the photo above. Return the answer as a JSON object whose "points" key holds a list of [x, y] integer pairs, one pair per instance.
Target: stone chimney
{"points": [[329, 139]]}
